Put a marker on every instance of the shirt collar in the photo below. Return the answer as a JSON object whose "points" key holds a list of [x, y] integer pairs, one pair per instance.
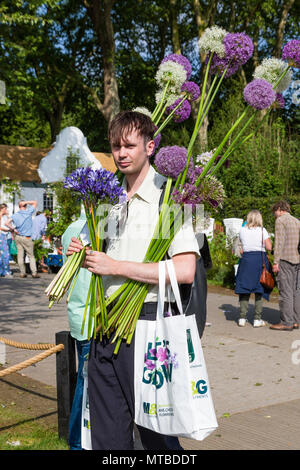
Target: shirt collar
{"points": [[152, 182]]}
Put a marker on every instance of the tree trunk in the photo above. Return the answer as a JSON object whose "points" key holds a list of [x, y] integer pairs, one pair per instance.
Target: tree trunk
{"points": [[174, 27], [54, 115], [287, 5], [100, 13]]}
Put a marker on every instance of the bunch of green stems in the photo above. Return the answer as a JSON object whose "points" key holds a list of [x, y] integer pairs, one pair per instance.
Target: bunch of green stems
{"points": [[65, 278], [95, 301], [129, 298]]}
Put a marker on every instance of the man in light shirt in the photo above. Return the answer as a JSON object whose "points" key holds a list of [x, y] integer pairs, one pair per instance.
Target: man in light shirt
{"points": [[111, 379], [22, 221], [287, 266]]}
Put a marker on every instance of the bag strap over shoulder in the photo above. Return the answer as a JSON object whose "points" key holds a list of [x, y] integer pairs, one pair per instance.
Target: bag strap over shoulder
{"points": [[262, 247]]}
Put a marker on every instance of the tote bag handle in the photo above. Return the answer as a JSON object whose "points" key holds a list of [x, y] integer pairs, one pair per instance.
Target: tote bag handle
{"points": [[162, 288], [174, 284]]}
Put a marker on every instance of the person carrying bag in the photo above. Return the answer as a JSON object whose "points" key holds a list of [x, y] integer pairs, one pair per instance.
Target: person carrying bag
{"points": [[172, 391]]}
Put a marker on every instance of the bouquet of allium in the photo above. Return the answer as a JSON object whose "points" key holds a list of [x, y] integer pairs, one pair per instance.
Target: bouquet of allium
{"points": [[98, 190], [189, 181]]}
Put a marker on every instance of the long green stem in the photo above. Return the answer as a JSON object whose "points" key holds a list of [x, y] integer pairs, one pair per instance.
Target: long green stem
{"points": [[199, 123], [231, 146], [170, 116], [161, 103]]}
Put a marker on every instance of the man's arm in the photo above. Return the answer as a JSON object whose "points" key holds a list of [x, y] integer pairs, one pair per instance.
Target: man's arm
{"points": [[102, 264], [279, 243], [8, 224], [32, 203]]}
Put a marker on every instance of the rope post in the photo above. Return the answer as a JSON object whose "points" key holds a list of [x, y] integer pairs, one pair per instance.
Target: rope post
{"points": [[65, 381], [2, 353]]}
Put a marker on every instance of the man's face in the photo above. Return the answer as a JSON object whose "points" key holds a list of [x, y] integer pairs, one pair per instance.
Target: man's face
{"points": [[132, 154]]}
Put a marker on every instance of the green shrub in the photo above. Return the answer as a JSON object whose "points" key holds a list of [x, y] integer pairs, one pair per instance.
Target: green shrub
{"points": [[223, 261]]}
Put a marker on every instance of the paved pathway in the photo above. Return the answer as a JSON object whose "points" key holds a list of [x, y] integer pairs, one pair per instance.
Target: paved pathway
{"points": [[254, 372]]}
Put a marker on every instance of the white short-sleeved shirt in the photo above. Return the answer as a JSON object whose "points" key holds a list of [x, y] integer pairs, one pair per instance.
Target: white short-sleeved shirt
{"points": [[251, 238], [141, 216]]}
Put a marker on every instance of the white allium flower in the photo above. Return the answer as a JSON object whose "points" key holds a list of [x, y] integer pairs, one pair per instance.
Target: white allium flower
{"points": [[143, 110], [270, 70], [203, 158], [212, 41], [172, 71], [170, 98]]}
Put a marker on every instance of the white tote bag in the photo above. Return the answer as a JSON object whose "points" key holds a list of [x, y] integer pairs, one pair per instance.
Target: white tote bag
{"points": [[86, 442], [172, 393]]}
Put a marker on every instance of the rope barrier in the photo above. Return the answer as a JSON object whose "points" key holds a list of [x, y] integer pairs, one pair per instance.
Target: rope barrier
{"points": [[51, 349], [9, 342]]}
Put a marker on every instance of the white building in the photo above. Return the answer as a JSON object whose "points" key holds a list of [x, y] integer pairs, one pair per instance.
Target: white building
{"points": [[33, 168]]}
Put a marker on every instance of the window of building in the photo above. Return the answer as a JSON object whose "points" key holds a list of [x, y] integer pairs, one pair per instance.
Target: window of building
{"points": [[47, 201], [72, 161]]}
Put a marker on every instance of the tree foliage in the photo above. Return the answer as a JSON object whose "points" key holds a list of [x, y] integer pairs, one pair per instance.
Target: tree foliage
{"points": [[70, 62]]}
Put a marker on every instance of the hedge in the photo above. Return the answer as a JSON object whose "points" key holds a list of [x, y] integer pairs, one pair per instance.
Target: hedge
{"points": [[239, 207]]}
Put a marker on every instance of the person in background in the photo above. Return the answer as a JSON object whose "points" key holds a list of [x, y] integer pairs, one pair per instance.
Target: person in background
{"points": [[39, 225], [76, 306], [255, 241], [22, 221], [9, 236], [287, 266], [4, 247]]}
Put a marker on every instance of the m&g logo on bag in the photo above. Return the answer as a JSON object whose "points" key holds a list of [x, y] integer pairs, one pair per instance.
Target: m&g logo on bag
{"points": [[159, 363], [199, 388], [149, 408]]}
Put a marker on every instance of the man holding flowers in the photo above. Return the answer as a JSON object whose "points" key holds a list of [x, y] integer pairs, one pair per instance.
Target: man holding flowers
{"points": [[111, 377]]}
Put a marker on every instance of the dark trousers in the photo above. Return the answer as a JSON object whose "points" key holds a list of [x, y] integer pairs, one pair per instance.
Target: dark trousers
{"points": [[111, 397]]}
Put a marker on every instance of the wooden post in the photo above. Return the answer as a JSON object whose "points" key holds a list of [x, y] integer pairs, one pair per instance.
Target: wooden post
{"points": [[65, 381]]}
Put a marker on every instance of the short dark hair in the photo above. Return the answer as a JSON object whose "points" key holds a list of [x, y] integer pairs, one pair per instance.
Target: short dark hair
{"points": [[127, 121], [282, 205]]}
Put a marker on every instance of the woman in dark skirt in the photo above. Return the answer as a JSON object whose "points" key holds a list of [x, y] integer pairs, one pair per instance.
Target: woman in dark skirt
{"points": [[255, 241]]}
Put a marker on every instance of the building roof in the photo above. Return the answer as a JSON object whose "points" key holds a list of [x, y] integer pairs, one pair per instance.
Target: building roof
{"points": [[21, 163]]}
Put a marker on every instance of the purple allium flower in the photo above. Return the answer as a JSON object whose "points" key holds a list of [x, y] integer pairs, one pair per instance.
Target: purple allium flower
{"points": [[188, 195], [195, 173], [171, 161], [182, 60], [157, 140], [182, 113], [238, 47], [279, 102], [210, 191], [218, 65], [259, 94], [192, 90], [291, 52]]}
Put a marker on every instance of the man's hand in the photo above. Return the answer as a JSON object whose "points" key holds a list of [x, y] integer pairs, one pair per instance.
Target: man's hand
{"points": [[98, 262], [74, 247], [275, 268]]}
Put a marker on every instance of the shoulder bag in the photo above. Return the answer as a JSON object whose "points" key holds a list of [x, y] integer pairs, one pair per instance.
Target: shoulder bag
{"points": [[266, 278]]}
